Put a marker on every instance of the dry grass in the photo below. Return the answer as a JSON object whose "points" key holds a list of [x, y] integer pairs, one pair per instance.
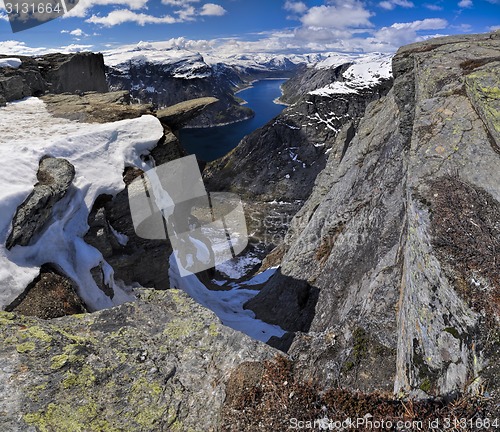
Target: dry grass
{"points": [[466, 236], [274, 396]]}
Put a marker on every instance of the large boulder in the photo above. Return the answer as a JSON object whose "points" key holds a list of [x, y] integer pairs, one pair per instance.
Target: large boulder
{"points": [[55, 176], [70, 73], [54, 73], [178, 115], [161, 363], [398, 245]]}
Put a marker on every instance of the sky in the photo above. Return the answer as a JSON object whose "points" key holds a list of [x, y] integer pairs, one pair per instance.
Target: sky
{"points": [[249, 26]]}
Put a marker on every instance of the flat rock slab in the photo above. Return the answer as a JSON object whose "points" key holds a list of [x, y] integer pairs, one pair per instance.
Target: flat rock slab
{"points": [[178, 115], [94, 107], [160, 363]]}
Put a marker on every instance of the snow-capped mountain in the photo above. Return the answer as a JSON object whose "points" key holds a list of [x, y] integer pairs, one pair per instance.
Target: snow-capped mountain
{"points": [[177, 63], [164, 75], [363, 72]]}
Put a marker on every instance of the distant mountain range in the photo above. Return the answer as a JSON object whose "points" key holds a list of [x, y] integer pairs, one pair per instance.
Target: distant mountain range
{"points": [[157, 73]]}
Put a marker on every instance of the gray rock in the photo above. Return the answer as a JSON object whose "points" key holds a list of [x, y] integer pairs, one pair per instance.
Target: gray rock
{"points": [[95, 107], [161, 363], [178, 115], [71, 73], [54, 73], [400, 235], [54, 179]]}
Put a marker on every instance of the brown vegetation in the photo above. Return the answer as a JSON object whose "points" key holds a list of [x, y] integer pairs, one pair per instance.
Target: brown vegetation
{"points": [[268, 397]]}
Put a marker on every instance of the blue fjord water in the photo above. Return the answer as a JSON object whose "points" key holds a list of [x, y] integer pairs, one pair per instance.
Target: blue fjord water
{"points": [[212, 143]]}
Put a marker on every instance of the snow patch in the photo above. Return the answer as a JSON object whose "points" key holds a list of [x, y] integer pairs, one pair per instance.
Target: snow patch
{"points": [[366, 71], [99, 153], [227, 305], [10, 62]]}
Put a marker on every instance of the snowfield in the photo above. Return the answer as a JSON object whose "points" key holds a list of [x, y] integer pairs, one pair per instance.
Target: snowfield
{"points": [[99, 153], [228, 305], [366, 71]]}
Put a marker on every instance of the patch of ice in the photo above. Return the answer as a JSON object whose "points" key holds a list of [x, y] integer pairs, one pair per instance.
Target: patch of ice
{"points": [[122, 239]]}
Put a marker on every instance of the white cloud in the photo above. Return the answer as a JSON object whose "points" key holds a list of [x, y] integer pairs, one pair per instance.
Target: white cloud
{"points": [[124, 15], [74, 48], [82, 8], [494, 28], [465, 4], [297, 7], [4, 17], [342, 14], [211, 9], [399, 34], [178, 2], [426, 24], [10, 47], [186, 14], [433, 7], [77, 32], [391, 4]]}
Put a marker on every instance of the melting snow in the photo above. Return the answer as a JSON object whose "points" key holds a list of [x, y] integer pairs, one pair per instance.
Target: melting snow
{"points": [[99, 153], [228, 305]]}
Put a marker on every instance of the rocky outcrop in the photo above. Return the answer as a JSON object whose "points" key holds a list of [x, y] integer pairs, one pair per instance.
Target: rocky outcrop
{"points": [[54, 179], [72, 73], [399, 239], [94, 107], [54, 73], [162, 85], [177, 116], [161, 363], [50, 296]]}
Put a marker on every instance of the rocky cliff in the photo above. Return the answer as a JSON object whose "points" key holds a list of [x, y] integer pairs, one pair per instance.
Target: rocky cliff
{"points": [[54, 73], [388, 281], [163, 85], [160, 363], [274, 168], [394, 256]]}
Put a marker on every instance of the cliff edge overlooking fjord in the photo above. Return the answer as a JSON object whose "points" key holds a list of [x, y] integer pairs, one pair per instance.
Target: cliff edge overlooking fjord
{"points": [[396, 252]]}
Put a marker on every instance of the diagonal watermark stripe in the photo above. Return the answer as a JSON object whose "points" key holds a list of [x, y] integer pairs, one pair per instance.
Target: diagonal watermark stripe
{"points": [[26, 14], [170, 201]]}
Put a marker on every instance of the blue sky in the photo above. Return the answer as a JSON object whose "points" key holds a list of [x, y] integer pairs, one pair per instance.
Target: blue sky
{"points": [[255, 25]]}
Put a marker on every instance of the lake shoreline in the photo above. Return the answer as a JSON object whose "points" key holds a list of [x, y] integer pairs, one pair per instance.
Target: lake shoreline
{"points": [[212, 142]]}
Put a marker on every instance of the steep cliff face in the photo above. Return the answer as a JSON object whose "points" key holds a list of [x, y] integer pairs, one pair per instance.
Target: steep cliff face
{"points": [[55, 73], [394, 257], [274, 168]]}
